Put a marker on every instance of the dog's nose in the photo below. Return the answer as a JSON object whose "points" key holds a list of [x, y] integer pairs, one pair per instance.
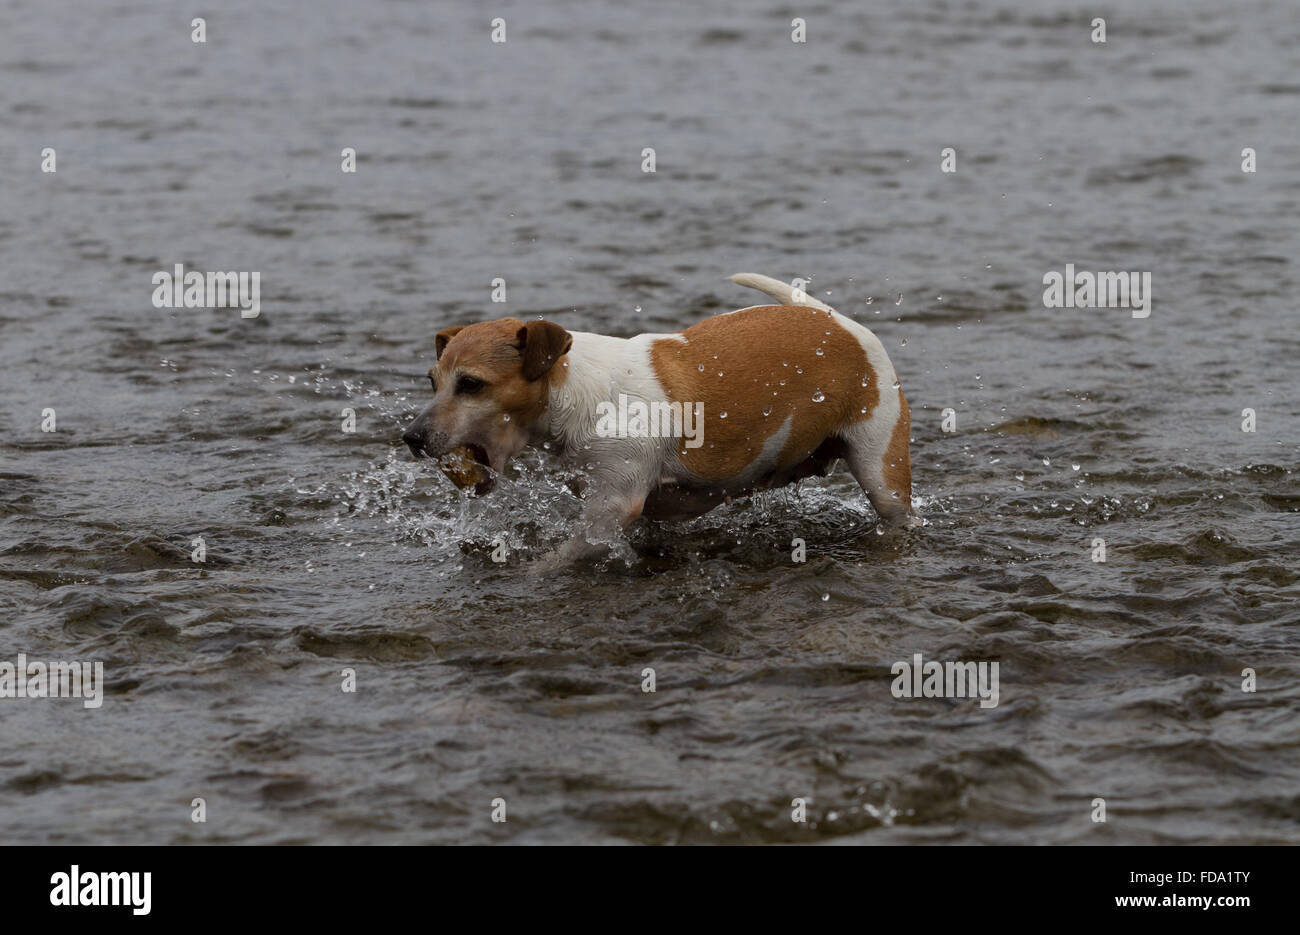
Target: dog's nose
{"points": [[414, 439]]}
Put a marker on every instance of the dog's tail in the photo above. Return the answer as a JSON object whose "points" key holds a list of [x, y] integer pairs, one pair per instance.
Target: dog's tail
{"points": [[784, 293]]}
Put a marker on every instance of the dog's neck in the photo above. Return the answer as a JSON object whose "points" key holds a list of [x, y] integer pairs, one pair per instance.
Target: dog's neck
{"points": [[588, 375]]}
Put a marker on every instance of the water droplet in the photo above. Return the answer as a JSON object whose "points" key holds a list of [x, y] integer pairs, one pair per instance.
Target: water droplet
{"points": [[722, 414], [820, 352], [1074, 467], [701, 368], [897, 384], [900, 299], [870, 299], [636, 308], [827, 597], [767, 410], [505, 417], [866, 379], [818, 396]]}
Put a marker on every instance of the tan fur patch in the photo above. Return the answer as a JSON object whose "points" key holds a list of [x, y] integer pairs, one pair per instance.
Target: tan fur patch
{"points": [[770, 371], [487, 351], [897, 461]]}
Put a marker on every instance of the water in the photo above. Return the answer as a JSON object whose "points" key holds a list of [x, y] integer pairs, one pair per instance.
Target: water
{"points": [[478, 680]]}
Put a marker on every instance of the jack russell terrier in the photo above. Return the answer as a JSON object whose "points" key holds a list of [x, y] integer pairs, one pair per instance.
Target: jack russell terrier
{"points": [[785, 389]]}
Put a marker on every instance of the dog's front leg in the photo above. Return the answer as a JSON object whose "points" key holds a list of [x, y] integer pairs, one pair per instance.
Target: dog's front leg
{"points": [[604, 517], [611, 503]]}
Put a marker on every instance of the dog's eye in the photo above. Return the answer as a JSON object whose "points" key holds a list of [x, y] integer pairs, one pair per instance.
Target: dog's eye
{"points": [[468, 385]]}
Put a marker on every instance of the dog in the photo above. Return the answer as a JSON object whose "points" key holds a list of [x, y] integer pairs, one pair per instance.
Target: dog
{"points": [[784, 390]]}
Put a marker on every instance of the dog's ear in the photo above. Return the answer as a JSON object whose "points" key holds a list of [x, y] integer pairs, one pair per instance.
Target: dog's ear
{"points": [[541, 344], [444, 336]]}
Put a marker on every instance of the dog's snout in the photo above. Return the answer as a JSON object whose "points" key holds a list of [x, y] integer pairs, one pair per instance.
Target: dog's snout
{"points": [[424, 441], [416, 437]]}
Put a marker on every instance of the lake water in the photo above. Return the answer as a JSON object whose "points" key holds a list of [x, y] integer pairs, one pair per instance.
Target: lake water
{"points": [[329, 550]]}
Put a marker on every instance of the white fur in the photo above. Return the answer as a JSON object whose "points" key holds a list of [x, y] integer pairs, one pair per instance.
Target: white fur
{"points": [[600, 368]]}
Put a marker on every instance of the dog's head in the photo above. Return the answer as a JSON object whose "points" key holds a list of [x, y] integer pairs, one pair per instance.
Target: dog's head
{"points": [[490, 388]]}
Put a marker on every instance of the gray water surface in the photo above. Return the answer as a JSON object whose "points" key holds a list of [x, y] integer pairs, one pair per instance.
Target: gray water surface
{"points": [[522, 160]]}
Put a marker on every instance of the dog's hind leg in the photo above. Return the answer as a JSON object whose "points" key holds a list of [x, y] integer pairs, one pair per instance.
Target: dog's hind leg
{"points": [[879, 459]]}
